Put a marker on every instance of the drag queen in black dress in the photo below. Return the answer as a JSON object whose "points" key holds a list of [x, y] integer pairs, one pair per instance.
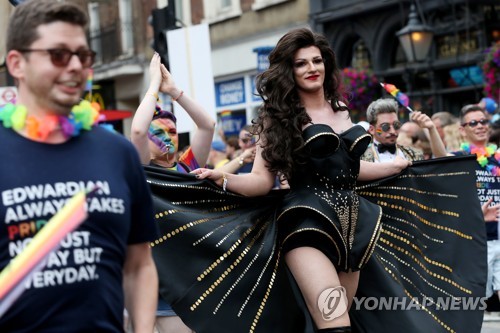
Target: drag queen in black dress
{"points": [[326, 232]]}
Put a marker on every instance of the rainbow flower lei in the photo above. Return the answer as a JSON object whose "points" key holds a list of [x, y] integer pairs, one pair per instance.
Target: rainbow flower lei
{"points": [[82, 117], [483, 153]]}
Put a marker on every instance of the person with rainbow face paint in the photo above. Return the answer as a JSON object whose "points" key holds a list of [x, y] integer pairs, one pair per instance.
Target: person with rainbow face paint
{"points": [[382, 115], [154, 134], [154, 131]]}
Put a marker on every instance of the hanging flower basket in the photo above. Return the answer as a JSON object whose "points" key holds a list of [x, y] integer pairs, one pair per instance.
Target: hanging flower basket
{"points": [[361, 88], [491, 72]]}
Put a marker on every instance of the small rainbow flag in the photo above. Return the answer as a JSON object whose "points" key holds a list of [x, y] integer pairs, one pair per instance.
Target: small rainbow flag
{"points": [[14, 276], [397, 94], [90, 79], [225, 114]]}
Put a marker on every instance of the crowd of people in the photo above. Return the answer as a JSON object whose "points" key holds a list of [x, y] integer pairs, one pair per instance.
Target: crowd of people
{"points": [[303, 140]]}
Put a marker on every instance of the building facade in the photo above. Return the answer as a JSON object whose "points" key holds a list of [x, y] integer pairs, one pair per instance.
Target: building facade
{"points": [[242, 33], [120, 32], [365, 30]]}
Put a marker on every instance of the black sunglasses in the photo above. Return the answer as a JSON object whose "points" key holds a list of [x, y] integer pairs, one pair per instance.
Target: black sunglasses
{"points": [[474, 123], [386, 126], [61, 57]]}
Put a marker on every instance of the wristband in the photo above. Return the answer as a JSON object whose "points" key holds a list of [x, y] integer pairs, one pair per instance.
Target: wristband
{"points": [[180, 95]]}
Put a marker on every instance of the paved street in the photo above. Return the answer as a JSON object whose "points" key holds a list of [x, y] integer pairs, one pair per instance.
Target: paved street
{"points": [[492, 326]]}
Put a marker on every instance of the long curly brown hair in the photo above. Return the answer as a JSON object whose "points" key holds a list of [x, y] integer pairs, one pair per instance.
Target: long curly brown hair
{"points": [[282, 116]]}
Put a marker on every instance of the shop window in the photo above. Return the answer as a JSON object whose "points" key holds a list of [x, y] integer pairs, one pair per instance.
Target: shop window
{"points": [[220, 10], [360, 56], [95, 30], [127, 39]]}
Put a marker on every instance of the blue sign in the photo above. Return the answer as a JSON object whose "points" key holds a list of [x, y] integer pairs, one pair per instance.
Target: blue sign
{"points": [[255, 96], [263, 57], [232, 122], [230, 92]]}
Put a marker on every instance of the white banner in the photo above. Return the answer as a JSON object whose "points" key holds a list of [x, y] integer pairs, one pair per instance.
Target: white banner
{"points": [[190, 59]]}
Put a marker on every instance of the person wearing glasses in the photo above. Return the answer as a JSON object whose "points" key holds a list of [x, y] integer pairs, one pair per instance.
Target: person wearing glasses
{"points": [[382, 114], [50, 151], [475, 129], [243, 161]]}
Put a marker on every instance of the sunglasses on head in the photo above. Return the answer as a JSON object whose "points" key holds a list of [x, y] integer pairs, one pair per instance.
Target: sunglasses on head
{"points": [[61, 57], [386, 126], [474, 123]]}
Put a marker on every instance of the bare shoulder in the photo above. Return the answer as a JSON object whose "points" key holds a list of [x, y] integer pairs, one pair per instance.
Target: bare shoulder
{"points": [[342, 121]]}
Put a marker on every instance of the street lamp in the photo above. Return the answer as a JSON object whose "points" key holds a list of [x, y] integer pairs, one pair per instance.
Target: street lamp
{"points": [[415, 37]]}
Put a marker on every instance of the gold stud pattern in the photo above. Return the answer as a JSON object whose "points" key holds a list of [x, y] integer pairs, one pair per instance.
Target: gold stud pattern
{"points": [[259, 279], [416, 248], [228, 292], [435, 317], [229, 269], [318, 135], [351, 148], [371, 245], [409, 200], [424, 221], [408, 253]]}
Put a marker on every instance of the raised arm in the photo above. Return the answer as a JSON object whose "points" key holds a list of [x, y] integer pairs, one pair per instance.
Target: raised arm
{"points": [[426, 123], [202, 138], [144, 114], [258, 182]]}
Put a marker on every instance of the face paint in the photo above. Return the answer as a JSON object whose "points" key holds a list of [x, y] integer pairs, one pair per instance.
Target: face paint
{"points": [[161, 139], [379, 131]]}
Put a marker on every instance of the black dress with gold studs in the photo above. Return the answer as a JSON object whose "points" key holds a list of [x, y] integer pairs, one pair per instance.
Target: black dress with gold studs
{"points": [[220, 255], [322, 209]]}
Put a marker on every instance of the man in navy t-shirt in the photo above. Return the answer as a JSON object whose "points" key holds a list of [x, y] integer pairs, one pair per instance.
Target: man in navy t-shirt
{"points": [[50, 151], [475, 129]]}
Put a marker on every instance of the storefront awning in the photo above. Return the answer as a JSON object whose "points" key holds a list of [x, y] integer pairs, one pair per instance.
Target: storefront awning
{"points": [[112, 115]]}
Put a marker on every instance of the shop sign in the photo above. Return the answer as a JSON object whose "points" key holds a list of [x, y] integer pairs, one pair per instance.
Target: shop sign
{"points": [[230, 92]]}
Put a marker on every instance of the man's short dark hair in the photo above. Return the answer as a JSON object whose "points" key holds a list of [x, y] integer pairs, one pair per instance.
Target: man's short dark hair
{"points": [[28, 16]]}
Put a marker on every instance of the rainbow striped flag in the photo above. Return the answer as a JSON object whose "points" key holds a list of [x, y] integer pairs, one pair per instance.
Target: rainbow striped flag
{"points": [[14, 276], [90, 79], [397, 94]]}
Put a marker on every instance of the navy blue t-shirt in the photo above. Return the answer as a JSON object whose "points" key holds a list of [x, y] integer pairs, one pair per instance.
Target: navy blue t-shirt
{"points": [[488, 186], [80, 289]]}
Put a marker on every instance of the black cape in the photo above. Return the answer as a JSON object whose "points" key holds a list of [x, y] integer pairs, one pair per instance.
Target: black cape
{"points": [[222, 269]]}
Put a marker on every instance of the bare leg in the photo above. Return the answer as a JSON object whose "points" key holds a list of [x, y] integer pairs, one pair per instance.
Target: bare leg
{"points": [[349, 280], [315, 273], [173, 324]]}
